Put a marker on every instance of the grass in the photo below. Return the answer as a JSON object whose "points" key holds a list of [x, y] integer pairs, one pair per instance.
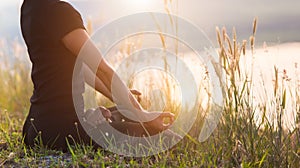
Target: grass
{"points": [[240, 140]]}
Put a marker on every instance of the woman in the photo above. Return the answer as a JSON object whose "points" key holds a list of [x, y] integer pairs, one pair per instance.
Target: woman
{"points": [[54, 34]]}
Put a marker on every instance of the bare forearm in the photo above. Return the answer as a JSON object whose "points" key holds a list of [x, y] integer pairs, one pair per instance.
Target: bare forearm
{"points": [[120, 93], [92, 80]]}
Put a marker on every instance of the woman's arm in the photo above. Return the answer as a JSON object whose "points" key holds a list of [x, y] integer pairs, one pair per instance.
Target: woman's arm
{"points": [[95, 82], [121, 95], [78, 38]]}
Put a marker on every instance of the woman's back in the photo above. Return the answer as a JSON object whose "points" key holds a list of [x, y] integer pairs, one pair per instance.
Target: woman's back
{"points": [[44, 23]]}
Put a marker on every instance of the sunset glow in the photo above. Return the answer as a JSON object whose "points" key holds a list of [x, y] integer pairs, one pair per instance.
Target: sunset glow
{"points": [[149, 83], [139, 2]]}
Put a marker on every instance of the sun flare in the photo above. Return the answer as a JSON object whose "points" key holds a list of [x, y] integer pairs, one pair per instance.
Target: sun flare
{"points": [[140, 4]]}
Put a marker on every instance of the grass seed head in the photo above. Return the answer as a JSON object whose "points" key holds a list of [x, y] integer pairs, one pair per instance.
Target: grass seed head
{"points": [[254, 26]]}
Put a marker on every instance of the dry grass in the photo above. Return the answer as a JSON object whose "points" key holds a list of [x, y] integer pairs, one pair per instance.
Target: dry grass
{"points": [[239, 140]]}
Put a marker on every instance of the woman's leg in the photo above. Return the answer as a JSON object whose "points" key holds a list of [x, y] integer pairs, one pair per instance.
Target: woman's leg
{"points": [[128, 126], [117, 116], [51, 128], [117, 121]]}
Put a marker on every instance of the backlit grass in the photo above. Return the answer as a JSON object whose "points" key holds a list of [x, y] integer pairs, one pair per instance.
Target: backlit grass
{"points": [[240, 140]]}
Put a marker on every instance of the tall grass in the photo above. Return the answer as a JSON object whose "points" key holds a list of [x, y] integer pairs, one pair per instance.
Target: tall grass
{"points": [[241, 139], [245, 140], [15, 91], [15, 81]]}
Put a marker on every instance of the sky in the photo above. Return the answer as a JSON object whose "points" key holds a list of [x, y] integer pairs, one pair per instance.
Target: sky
{"points": [[278, 21]]}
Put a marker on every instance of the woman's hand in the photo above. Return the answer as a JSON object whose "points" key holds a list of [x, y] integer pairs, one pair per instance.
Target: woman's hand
{"points": [[161, 122], [105, 112], [137, 94], [94, 117]]}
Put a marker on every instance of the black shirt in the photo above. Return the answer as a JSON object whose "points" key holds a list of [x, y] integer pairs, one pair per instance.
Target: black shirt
{"points": [[44, 23]]}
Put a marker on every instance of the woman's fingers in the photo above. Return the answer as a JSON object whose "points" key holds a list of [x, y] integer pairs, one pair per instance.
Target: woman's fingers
{"points": [[160, 117], [162, 122], [136, 92], [168, 115], [166, 126], [105, 112]]}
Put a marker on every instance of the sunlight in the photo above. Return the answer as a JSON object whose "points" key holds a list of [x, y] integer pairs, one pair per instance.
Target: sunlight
{"points": [[139, 3]]}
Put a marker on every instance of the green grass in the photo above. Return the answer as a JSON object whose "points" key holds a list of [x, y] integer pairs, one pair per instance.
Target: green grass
{"points": [[238, 141]]}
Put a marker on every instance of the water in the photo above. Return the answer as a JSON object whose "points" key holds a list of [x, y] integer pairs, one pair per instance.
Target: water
{"points": [[286, 59], [262, 64]]}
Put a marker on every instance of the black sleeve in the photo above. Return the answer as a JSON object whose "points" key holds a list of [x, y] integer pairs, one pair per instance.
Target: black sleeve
{"points": [[61, 19]]}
